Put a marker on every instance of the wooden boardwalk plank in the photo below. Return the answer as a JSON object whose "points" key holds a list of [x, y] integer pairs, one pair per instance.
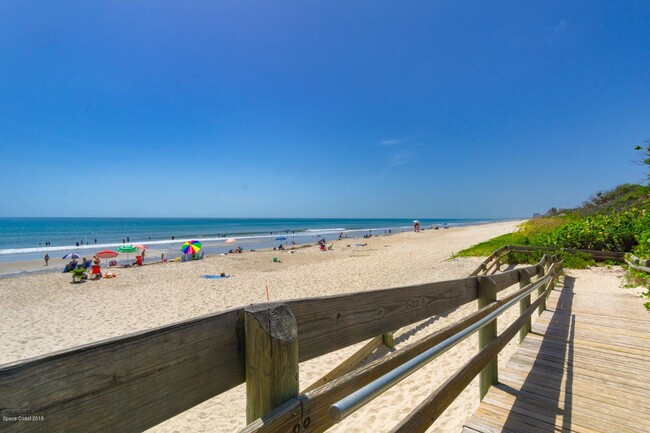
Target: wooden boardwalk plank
{"points": [[585, 368]]}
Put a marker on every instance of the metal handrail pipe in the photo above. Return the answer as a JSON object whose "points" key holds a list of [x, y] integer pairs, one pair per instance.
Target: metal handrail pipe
{"points": [[347, 405]]}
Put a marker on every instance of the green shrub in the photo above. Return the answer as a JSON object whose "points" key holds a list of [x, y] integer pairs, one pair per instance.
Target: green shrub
{"points": [[574, 261], [606, 232], [488, 247], [616, 220]]}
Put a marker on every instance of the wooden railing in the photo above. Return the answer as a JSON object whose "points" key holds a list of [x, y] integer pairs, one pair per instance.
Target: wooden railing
{"points": [[638, 264], [134, 382]]}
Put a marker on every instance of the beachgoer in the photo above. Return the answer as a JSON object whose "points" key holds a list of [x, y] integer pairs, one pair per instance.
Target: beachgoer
{"points": [[172, 237], [127, 239], [77, 243], [162, 258], [142, 256], [123, 241], [47, 259]]}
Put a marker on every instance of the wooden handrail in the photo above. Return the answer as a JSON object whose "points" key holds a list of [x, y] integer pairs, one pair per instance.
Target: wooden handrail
{"points": [[313, 406], [491, 257], [421, 418], [133, 382]]}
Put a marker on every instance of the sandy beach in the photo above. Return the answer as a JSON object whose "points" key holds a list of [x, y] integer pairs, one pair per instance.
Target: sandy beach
{"points": [[46, 312]]}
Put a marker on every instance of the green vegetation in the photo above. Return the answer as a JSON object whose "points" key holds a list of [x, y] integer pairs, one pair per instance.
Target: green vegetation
{"points": [[616, 220], [616, 231]]}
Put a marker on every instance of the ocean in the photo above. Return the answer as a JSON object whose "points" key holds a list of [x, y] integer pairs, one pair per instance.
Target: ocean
{"points": [[31, 238]]}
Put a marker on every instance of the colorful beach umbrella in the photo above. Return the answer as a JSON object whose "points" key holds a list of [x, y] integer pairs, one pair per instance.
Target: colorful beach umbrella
{"points": [[280, 238], [191, 247], [141, 247], [71, 256], [231, 240], [127, 249], [106, 254]]}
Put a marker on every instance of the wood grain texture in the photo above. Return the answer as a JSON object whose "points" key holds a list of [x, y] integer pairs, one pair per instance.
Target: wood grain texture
{"points": [[487, 294], [330, 323], [524, 280], [128, 383], [134, 382], [315, 404], [271, 358]]}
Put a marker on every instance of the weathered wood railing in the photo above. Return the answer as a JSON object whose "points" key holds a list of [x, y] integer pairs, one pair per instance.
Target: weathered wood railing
{"points": [[133, 382], [638, 264]]}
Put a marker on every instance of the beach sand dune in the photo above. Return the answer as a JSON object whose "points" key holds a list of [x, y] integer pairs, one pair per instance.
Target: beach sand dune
{"points": [[43, 313]]}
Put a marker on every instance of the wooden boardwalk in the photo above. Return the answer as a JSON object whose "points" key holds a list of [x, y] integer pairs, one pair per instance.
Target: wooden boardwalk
{"points": [[584, 368]]}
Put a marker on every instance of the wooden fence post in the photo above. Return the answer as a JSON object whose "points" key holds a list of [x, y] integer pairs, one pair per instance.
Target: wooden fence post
{"points": [[524, 280], [387, 339], [271, 358], [487, 293], [540, 292]]}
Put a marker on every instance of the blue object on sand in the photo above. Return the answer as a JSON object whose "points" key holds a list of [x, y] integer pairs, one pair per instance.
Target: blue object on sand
{"points": [[215, 277]]}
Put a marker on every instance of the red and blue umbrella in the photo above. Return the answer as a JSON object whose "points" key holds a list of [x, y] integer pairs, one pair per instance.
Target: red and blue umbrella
{"points": [[191, 247]]}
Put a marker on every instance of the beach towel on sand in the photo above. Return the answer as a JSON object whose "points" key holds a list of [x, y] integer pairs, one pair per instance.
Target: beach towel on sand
{"points": [[214, 277]]}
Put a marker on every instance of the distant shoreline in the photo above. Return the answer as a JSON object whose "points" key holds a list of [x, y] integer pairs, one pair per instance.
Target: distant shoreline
{"points": [[17, 268], [30, 259]]}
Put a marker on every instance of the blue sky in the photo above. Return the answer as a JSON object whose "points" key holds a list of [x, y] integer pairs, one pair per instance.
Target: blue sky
{"points": [[319, 109]]}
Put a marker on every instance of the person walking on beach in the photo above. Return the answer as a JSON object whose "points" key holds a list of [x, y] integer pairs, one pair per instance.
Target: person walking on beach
{"points": [[142, 256], [47, 259]]}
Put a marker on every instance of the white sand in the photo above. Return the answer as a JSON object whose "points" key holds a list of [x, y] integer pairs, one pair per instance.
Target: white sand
{"points": [[44, 313]]}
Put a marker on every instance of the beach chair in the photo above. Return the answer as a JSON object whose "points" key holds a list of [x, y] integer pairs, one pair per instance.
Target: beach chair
{"points": [[78, 275], [96, 271], [138, 261]]}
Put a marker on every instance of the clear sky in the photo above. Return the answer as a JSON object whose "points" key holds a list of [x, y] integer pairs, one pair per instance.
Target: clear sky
{"points": [[319, 108]]}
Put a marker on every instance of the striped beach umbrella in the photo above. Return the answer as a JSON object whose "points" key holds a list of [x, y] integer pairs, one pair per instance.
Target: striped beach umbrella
{"points": [[191, 247]]}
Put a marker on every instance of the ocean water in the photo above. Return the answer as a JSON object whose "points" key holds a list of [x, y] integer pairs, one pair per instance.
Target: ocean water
{"points": [[31, 238]]}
